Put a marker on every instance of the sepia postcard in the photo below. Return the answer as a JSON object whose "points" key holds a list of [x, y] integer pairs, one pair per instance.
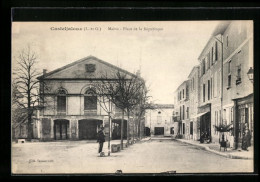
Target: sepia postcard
{"points": [[132, 97]]}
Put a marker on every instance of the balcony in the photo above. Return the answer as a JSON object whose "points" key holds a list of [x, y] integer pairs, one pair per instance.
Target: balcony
{"points": [[176, 118]]}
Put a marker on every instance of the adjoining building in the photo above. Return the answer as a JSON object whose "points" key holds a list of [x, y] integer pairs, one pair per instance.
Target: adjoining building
{"points": [[194, 93], [71, 108], [210, 85], [159, 121], [238, 104], [224, 89], [182, 106]]}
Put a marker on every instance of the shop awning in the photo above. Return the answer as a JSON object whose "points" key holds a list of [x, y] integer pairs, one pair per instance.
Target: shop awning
{"points": [[201, 114]]}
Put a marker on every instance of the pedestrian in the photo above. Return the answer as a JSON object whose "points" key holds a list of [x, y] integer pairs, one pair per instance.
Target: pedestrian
{"points": [[101, 139]]}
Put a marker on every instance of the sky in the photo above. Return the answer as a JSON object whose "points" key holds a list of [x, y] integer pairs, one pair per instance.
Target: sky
{"points": [[164, 51]]}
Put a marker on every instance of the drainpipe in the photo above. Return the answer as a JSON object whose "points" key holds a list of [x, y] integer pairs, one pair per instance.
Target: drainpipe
{"points": [[222, 62], [222, 86]]}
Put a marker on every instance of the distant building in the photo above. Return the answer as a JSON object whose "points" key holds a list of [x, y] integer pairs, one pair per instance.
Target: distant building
{"points": [[159, 121]]}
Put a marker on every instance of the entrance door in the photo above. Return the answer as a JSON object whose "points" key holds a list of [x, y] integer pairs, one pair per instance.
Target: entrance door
{"points": [[158, 130], [60, 129], [88, 129], [205, 125]]}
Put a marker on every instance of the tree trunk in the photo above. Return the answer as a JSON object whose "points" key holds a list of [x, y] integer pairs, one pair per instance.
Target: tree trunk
{"points": [[127, 135], [109, 133], [122, 130], [133, 131], [30, 127], [139, 128]]}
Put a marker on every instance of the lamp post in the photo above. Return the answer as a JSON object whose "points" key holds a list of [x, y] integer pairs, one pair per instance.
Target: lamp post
{"points": [[250, 74]]}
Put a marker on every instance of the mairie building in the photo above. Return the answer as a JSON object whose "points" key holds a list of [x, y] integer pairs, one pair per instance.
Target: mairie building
{"points": [[71, 110]]}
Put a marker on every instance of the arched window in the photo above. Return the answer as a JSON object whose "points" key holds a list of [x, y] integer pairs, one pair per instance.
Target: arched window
{"points": [[61, 101], [90, 100]]}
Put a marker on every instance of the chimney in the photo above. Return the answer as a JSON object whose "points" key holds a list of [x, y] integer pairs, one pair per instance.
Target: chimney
{"points": [[138, 73], [44, 71]]}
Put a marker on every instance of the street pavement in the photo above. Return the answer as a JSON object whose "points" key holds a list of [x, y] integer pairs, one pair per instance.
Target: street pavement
{"points": [[148, 156], [215, 148]]}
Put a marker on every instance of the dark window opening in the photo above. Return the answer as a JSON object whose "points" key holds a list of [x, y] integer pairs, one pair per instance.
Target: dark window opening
{"points": [[229, 81], [90, 100], [238, 74], [191, 128], [90, 68], [204, 92], [208, 89]]}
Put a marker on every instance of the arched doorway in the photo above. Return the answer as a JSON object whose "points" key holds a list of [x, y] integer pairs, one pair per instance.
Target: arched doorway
{"points": [[61, 127], [88, 128]]}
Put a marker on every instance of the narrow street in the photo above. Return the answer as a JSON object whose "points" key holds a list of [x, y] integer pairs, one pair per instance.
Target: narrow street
{"points": [[154, 156]]}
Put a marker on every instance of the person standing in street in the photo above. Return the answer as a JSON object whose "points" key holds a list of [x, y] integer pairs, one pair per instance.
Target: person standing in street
{"points": [[101, 138]]}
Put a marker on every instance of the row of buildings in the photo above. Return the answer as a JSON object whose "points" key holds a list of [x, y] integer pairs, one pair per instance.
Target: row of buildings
{"points": [[219, 90]]}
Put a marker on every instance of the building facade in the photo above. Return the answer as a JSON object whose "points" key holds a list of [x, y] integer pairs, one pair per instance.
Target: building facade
{"points": [[225, 88], [194, 93], [159, 121], [71, 108], [237, 88], [182, 111]]}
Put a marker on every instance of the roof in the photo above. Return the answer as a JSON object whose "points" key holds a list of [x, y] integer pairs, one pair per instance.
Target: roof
{"points": [[194, 67], [84, 59], [219, 30], [163, 106], [181, 85]]}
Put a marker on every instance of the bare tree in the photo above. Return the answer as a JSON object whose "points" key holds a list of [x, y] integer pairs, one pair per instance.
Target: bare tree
{"points": [[124, 91], [144, 105], [104, 100], [26, 83]]}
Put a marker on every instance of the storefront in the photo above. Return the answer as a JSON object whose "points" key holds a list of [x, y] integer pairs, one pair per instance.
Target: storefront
{"points": [[205, 121], [244, 119]]}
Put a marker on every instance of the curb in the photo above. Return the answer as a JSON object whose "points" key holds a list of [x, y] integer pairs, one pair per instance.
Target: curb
{"points": [[231, 156]]}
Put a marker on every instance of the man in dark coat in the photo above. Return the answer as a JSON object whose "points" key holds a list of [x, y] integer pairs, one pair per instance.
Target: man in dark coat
{"points": [[101, 139]]}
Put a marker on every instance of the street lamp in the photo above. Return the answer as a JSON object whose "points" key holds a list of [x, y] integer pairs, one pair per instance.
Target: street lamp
{"points": [[250, 74]]}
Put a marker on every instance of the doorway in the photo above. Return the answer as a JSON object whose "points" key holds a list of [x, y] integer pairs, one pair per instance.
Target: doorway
{"points": [[88, 129], [158, 130], [61, 129]]}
